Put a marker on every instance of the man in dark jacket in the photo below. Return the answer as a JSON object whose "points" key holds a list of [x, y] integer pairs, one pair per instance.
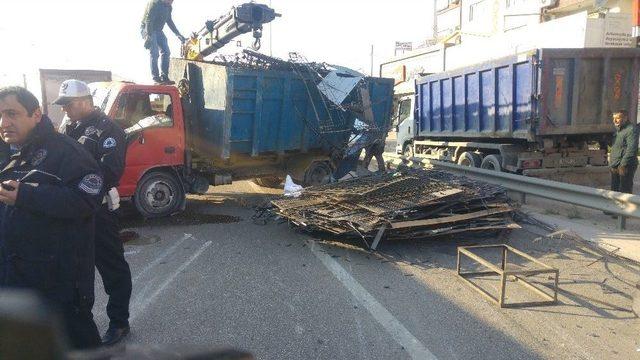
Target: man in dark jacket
{"points": [[50, 191], [624, 153], [156, 15], [105, 140]]}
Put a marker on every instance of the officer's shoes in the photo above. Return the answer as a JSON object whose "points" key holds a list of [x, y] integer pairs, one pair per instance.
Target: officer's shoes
{"points": [[114, 335]]}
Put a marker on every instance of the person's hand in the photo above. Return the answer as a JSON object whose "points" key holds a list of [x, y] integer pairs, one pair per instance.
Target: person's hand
{"points": [[9, 192], [182, 39], [614, 170], [622, 170], [147, 42]]}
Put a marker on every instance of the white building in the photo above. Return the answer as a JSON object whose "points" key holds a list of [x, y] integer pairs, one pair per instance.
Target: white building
{"points": [[473, 31]]}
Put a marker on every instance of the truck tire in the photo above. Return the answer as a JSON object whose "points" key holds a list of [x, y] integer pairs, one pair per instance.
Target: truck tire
{"points": [[407, 150], [318, 173], [492, 162], [158, 194], [269, 181], [470, 159]]}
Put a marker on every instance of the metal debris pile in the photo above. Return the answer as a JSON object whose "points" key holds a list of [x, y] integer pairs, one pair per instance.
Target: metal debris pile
{"points": [[404, 205]]}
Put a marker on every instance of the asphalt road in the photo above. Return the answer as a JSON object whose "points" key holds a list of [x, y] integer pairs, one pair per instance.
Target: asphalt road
{"points": [[214, 278]]}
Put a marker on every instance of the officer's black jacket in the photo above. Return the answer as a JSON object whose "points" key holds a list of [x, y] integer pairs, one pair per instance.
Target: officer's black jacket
{"points": [[46, 238], [104, 140]]}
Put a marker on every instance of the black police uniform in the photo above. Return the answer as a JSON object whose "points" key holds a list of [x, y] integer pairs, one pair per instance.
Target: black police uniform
{"points": [[46, 238], [105, 140]]}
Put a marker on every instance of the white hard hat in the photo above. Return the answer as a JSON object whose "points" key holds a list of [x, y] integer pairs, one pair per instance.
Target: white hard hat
{"points": [[72, 89]]}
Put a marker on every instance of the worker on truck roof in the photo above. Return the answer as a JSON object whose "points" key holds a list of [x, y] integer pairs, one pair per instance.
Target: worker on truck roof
{"points": [[156, 15], [624, 153]]}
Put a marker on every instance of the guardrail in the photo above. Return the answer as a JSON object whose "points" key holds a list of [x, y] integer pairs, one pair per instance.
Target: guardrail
{"points": [[621, 204]]}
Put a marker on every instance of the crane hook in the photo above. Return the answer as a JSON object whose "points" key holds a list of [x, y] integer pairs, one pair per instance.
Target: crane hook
{"points": [[256, 44]]}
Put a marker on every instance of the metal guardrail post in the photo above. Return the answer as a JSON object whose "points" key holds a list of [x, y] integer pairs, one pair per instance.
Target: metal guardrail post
{"points": [[622, 222]]}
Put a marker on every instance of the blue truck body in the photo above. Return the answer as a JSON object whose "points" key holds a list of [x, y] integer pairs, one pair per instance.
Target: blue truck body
{"points": [[545, 93], [271, 121]]}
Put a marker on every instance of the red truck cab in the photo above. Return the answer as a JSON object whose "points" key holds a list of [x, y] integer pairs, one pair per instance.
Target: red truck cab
{"points": [[153, 119]]}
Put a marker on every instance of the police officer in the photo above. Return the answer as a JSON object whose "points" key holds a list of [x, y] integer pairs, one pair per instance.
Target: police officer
{"points": [[47, 206], [105, 140]]}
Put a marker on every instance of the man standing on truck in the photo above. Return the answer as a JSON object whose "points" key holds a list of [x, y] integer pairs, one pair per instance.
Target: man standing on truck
{"points": [[50, 191], [624, 153], [156, 15], [105, 140]]}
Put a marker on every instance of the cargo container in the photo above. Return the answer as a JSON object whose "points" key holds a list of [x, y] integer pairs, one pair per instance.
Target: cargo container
{"points": [[544, 113]]}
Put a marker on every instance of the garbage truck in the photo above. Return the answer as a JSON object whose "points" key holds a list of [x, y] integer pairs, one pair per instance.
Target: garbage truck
{"points": [[544, 113], [261, 118]]}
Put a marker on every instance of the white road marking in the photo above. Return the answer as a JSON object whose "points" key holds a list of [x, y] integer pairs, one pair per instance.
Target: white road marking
{"points": [[140, 308], [161, 257], [398, 332]]}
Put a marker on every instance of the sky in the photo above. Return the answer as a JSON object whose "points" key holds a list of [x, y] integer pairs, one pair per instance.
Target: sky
{"points": [[105, 34]]}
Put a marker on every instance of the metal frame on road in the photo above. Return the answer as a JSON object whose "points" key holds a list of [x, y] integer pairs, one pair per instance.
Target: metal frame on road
{"points": [[621, 204]]}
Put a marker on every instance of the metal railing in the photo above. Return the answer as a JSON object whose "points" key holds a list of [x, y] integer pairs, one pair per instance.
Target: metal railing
{"points": [[621, 204]]}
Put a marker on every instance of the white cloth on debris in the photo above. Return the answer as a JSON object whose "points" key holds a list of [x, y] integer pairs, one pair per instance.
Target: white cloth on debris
{"points": [[292, 189]]}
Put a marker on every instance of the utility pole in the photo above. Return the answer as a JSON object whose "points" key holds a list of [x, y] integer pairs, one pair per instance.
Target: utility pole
{"points": [[24, 80], [371, 74], [435, 20], [270, 35]]}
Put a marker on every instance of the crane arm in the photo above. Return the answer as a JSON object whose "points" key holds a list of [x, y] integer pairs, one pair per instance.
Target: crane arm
{"points": [[217, 33]]}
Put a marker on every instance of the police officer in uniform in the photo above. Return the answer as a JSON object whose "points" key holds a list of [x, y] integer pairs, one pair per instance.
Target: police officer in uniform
{"points": [[47, 207], [105, 140]]}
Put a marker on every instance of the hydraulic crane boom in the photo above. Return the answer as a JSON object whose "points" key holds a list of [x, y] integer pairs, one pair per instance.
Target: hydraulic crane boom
{"points": [[217, 33]]}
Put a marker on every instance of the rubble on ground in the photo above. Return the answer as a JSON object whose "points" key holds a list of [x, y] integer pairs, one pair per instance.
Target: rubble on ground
{"points": [[412, 204]]}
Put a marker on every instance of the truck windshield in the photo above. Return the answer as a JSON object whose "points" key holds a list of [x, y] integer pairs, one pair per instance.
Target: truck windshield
{"points": [[102, 95], [404, 110]]}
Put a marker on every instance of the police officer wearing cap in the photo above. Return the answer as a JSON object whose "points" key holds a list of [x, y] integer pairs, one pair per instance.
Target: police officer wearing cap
{"points": [[105, 140], [47, 207]]}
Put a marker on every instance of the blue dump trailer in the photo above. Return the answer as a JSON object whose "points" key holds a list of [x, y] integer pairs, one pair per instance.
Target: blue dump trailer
{"points": [[270, 119], [545, 113]]}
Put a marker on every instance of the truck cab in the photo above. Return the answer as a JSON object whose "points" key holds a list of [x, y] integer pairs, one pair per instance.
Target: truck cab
{"points": [[405, 130], [153, 120]]}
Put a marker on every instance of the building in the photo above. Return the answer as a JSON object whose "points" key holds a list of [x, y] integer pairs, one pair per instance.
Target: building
{"points": [[473, 31]]}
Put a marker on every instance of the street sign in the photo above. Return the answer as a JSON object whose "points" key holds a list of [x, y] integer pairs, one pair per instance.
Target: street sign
{"points": [[404, 46]]}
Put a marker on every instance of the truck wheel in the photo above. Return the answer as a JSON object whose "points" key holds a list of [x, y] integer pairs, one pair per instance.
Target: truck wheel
{"points": [[269, 181], [318, 173], [492, 162], [470, 159], [407, 150], [158, 194]]}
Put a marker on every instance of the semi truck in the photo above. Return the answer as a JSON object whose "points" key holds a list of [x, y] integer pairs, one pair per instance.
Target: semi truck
{"points": [[544, 113], [225, 122]]}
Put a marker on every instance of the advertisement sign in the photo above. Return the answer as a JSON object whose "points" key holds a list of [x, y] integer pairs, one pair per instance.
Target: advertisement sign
{"points": [[618, 30]]}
